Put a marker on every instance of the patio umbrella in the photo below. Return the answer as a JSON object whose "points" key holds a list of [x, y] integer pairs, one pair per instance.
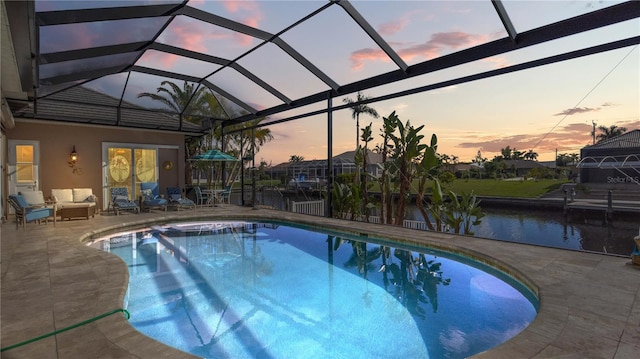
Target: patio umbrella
{"points": [[214, 156]]}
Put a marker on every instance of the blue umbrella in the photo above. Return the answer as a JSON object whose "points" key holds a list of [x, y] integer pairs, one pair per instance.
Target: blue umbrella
{"points": [[213, 156]]}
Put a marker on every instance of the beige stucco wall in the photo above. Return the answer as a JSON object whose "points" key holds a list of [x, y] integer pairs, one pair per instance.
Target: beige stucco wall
{"points": [[57, 141]]}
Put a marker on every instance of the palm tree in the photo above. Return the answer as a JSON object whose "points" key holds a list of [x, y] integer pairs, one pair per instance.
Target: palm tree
{"points": [[575, 158], [609, 132], [178, 99], [506, 152], [296, 158], [531, 155], [240, 142], [366, 138], [357, 107]]}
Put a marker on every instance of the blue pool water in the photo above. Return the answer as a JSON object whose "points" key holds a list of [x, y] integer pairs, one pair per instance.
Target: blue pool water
{"points": [[268, 290]]}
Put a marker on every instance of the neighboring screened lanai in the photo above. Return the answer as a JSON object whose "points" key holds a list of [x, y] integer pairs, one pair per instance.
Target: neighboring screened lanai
{"points": [[271, 59]]}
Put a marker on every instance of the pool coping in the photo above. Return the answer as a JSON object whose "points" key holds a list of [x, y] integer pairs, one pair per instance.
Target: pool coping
{"points": [[589, 303]]}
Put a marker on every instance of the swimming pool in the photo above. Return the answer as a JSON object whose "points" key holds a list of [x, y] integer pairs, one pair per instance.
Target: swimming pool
{"points": [[274, 290]]}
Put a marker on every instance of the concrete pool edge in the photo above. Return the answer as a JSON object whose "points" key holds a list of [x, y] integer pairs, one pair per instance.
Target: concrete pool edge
{"points": [[589, 303]]}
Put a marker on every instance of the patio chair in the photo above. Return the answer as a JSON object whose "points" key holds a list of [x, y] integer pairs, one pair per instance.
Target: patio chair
{"points": [[29, 213], [120, 201], [201, 198], [225, 195], [174, 195], [150, 197]]}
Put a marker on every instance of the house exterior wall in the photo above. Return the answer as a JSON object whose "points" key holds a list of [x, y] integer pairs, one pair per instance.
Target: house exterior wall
{"points": [[57, 141]]}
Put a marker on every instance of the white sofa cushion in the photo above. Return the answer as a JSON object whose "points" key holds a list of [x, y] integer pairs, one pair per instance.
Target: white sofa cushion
{"points": [[33, 197], [76, 205], [62, 195], [82, 194]]}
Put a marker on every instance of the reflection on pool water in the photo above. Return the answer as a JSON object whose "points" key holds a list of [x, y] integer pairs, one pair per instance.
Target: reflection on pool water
{"points": [[269, 290]]}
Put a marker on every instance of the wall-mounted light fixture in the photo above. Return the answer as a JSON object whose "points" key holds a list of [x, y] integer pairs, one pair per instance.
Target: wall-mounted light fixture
{"points": [[73, 157]]}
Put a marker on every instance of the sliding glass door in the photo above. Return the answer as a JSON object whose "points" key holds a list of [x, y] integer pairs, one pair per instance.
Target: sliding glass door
{"points": [[128, 166]]}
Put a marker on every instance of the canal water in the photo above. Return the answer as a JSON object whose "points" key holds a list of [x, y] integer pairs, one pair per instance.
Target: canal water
{"points": [[550, 228], [544, 227]]}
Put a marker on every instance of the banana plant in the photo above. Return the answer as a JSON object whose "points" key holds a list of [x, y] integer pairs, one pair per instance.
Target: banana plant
{"points": [[346, 200], [435, 213], [407, 148], [386, 199], [428, 169], [463, 213]]}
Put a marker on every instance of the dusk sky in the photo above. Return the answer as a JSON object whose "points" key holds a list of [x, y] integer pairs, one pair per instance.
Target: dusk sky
{"points": [[544, 109]]}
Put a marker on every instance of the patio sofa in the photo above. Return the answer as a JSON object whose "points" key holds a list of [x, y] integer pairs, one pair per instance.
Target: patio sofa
{"points": [[74, 202]]}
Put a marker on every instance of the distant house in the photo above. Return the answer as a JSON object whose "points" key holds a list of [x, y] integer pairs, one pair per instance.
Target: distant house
{"points": [[463, 167], [612, 161], [522, 167], [312, 169]]}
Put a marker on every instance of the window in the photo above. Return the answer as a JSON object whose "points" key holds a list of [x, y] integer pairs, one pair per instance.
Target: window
{"points": [[25, 163]]}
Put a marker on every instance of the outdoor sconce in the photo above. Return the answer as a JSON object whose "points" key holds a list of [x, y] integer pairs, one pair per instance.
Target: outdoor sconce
{"points": [[73, 157]]}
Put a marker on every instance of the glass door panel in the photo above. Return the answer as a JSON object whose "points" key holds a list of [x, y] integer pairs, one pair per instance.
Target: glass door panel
{"points": [[128, 167], [145, 166], [119, 172]]}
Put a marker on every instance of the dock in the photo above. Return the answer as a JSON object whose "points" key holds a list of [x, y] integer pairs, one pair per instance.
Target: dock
{"points": [[607, 206]]}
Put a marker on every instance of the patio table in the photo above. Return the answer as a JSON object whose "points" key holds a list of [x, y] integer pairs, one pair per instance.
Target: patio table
{"points": [[213, 196]]}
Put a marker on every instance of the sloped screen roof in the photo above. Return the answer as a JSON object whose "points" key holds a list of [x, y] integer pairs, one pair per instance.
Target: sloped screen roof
{"points": [[232, 62]]}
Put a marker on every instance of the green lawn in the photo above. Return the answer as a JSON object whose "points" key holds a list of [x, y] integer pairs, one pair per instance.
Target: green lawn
{"points": [[498, 188]]}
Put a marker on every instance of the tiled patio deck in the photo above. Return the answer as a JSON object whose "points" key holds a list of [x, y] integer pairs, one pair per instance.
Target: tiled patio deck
{"points": [[589, 303]]}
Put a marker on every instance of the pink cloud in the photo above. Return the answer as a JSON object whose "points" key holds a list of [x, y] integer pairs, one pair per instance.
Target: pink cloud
{"points": [[166, 60], [188, 35], [427, 50], [253, 21], [252, 16], [457, 39], [235, 6], [393, 27], [575, 111], [58, 38], [250, 11], [498, 61], [359, 57], [564, 139]]}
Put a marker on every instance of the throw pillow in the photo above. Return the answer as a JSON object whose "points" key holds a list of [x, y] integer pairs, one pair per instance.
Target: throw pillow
{"points": [[147, 194], [91, 198], [176, 197], [121, 198]]}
